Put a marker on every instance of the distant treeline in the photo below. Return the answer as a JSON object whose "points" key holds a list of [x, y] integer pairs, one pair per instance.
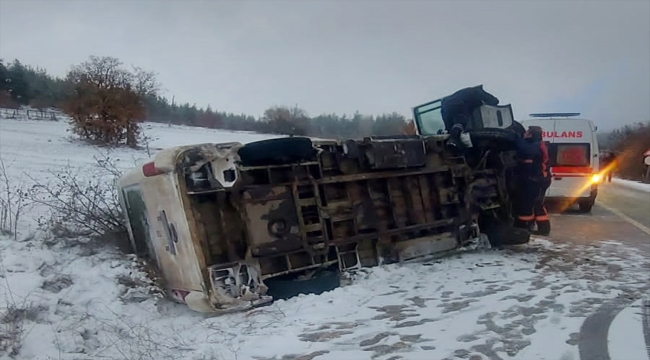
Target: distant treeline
{"points": [[27, 85], [629, 142], [107, 101]]}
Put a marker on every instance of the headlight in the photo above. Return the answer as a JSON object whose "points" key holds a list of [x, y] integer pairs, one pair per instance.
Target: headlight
{"points": [[595, 178]]}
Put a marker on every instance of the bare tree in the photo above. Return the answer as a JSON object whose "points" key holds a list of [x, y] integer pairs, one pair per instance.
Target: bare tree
{"points": [[629, 142], [82, 205], [13, 202], [285, 120], [106, 101]]}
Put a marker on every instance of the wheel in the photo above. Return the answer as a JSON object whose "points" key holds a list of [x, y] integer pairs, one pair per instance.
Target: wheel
{"points": [[500, 233], [517, 127], [493, 134], [277, 151], [495, 138], [586, 205], [508, 235]]}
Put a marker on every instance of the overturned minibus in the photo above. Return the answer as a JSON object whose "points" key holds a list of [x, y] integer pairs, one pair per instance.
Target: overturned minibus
{"points": [[221, 220]]}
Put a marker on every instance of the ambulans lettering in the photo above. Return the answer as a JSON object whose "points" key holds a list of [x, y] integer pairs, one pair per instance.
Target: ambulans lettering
{"points": [[562, 134]]}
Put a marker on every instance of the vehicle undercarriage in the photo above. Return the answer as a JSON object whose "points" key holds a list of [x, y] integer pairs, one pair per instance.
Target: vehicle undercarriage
{"points": [[288, 207]]}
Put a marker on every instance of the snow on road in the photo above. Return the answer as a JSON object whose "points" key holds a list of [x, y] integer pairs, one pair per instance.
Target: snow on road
{"points": [[626, 334], [632, 184], [87, 302]]}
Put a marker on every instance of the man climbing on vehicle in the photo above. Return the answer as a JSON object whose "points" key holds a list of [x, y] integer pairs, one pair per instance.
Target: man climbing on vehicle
{"points": [[457, 109], [534, 179]]}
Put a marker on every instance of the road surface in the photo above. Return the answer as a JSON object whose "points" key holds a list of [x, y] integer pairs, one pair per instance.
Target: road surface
{"points": [[620, 214], [556, 298]]}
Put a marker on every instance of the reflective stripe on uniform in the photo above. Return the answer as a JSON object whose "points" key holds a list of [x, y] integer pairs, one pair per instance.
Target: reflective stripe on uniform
{"points": [[542, 218], [526, 217]]}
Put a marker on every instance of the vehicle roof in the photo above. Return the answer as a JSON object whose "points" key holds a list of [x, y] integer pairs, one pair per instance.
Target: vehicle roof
{"points": [[564, 122], [166, 159], [557, 119]]}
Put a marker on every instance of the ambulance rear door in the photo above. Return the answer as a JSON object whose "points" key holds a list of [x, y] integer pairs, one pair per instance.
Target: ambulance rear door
{"points": [[573, 158]]}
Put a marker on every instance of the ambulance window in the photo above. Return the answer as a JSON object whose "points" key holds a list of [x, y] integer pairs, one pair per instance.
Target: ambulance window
{"points": [[569, 154]]}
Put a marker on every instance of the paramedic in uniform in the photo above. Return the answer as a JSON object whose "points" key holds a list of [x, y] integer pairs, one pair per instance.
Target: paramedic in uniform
{"points": [[534, 180]]}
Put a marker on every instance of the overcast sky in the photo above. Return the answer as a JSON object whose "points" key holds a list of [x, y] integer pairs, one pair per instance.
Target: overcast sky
{"points": [[346, 55]]}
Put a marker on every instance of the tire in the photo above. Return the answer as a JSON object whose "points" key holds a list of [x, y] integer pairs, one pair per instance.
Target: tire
{"points": [[497, 139], [586, 205], [507, 236], [500, 233], [277, 151], [517, 127]]}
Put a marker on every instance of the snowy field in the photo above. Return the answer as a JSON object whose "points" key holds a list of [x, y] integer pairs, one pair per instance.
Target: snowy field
{"points": [[88, 303], [632, 184]]}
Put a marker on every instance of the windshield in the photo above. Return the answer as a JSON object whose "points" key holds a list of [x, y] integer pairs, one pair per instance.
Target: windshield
{"points": [[428, 118]]}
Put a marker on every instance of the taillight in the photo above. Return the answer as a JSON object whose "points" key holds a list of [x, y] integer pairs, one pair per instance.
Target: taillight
{"points": [[149, 169], [180, 295], [596, 178]]}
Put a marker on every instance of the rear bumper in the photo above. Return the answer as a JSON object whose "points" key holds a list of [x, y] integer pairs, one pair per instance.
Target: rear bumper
{"points": [[200, 302], [589, 194], [234, 287]]}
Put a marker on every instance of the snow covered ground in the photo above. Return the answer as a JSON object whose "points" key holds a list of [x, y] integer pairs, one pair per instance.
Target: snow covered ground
{"points": [[632, 184], [626, 333], [82, 301]]}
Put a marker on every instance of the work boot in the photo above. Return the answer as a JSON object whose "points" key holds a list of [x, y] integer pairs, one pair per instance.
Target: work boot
{"points": [[543, 228], [466, 140], [454, 143], [455, 139]]}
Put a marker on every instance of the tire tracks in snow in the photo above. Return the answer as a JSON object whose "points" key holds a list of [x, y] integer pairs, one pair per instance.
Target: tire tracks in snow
{"points": [[592, 343], [593, 340]]}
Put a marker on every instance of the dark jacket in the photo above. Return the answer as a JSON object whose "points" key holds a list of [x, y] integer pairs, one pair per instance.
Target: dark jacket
{"points": [[533, 160], [459, 106]]}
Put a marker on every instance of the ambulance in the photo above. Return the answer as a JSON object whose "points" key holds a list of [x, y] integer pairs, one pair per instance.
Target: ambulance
{"points": [[573, 157]]}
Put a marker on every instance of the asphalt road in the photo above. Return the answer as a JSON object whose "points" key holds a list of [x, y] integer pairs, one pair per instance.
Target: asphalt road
{"points": [[620, 214], [632, 203]]}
